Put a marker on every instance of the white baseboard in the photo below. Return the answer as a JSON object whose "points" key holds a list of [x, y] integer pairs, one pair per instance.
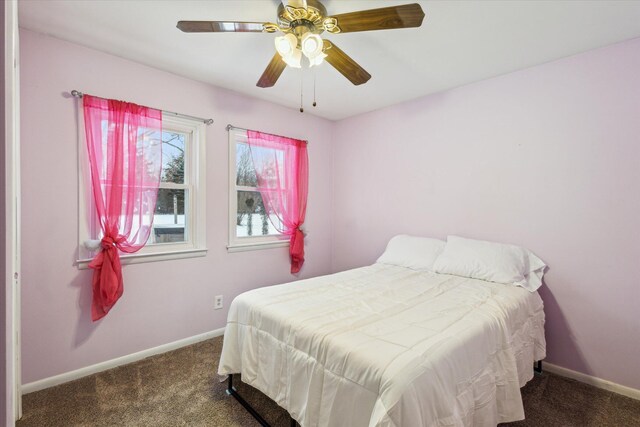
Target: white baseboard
{"points": [[119, 361], [130, 358], [594, 381]]}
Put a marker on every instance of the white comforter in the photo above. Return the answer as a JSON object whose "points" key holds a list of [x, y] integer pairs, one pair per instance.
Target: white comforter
{"points": [[388, 346]]}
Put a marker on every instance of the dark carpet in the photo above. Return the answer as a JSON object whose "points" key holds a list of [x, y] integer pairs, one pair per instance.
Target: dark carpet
{"points": [[181, 388]]}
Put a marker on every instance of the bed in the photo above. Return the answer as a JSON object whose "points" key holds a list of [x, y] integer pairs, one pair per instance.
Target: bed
{"points": [[385, 345]]}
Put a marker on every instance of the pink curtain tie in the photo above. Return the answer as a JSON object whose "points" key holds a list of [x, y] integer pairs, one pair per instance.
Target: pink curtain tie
{"points": [[296, 250], [107, 278], [108, 242]]}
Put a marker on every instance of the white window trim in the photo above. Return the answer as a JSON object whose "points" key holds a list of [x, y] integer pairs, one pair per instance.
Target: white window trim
{"points": [[242, 244], [195, 245]]}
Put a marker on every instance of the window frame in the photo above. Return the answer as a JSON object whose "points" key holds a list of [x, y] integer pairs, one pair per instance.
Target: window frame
{"points": [[246, 243], [195, 205]]}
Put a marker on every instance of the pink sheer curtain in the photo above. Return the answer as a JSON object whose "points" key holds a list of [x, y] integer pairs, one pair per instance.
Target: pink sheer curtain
{"points": [[282, 169], [124, 142]]}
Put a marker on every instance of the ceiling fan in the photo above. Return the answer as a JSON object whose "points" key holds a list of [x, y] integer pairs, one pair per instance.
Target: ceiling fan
{"points": [[302, 22]]}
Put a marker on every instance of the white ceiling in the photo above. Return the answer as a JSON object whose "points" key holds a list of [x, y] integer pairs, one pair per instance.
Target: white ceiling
{"points": [[459, 42]]}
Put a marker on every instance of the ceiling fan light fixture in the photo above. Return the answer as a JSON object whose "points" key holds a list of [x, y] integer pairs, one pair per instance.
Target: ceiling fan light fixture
{"points": [[311, 45], [317, 60], [294, 58], [287, 47], [286, 44]]}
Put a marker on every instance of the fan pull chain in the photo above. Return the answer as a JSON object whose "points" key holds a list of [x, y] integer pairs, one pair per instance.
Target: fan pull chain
{"points": [[314, 87], [301, 109]]}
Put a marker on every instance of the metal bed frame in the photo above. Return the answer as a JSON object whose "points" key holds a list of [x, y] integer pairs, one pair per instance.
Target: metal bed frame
{"points": [[537, 368], [231, 391]]}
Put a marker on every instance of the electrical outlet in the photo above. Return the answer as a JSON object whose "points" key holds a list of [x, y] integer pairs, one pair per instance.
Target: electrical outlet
{"points": [[218, 304]]}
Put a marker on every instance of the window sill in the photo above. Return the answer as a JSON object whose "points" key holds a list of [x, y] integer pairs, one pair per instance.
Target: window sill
{"points": [[243, 247], [83, 264]]}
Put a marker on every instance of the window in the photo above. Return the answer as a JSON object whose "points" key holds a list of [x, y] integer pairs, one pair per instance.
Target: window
{"points": [[169, 219], [250, 226], [179, 219]]}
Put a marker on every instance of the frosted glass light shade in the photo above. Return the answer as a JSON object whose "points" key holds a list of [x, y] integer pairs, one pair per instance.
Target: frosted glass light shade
{"points": [[286, 44], [293, 59], [287, 47], [317, 60], [283, 46], [311, 45]]}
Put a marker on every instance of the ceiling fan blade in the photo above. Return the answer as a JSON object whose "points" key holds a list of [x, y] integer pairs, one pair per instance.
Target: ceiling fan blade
{"points": [[343, 63], [272, 72], [222, 27], [386, 18]]}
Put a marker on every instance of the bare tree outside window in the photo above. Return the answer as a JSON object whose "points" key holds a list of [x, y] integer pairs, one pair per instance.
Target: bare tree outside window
{"points": [[251, 212]]}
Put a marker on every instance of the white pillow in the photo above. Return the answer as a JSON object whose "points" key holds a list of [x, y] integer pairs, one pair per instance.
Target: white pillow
{"points": [[418, 253], [493, 262]]}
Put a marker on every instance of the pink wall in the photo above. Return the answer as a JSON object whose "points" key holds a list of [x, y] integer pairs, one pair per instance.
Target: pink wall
{"points": [[547, 158], [163, 301]]}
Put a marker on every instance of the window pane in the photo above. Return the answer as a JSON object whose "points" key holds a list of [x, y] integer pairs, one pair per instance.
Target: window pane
{"points": [[173, 157], [169, 218], [245, 173], [252, 219], [270, 161], [145, 138]]}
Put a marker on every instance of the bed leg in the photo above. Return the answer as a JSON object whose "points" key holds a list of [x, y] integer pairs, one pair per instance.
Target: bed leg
{"points": [[232, 392], [538, 367], [293, 422], [230, 385]]}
